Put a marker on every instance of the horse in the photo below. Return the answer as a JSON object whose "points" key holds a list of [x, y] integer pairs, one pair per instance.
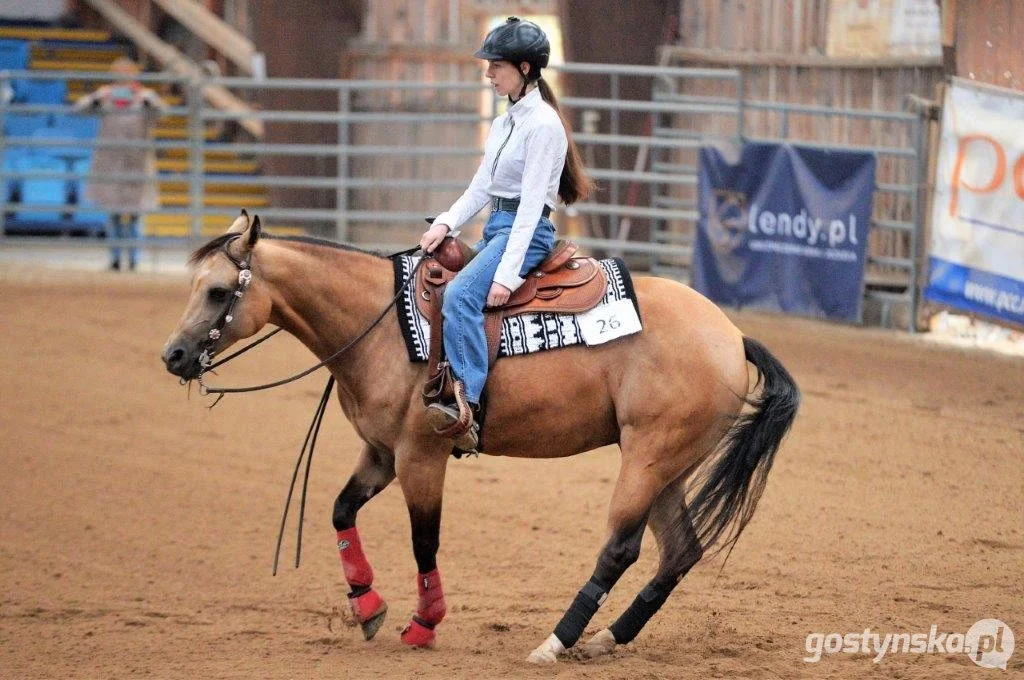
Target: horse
{"points": [[676, 397]]}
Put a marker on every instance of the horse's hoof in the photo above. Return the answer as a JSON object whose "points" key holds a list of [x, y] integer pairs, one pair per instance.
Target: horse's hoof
{"points": [[418, 635], [602, 643], [369, 610], [542, 656], [547, 653], [371, 625]]}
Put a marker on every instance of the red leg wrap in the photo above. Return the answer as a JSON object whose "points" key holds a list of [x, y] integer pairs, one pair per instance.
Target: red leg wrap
{"points": [[358, 572], [418, 635], [431, 606], [365, 606], [431, 609]]}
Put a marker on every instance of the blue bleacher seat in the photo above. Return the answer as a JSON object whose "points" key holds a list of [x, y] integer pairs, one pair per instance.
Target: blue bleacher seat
{"points": [[29, 91], [77, 126], [14, 54], [41, 191], [66, 153], [24, 124]]}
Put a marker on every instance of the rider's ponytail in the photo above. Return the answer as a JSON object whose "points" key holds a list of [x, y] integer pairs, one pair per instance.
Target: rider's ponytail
{"points": [[575, 184]]}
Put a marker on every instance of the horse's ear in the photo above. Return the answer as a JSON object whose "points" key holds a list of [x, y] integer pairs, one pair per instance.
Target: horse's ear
{"points": [[240, 224], [254, 231]]}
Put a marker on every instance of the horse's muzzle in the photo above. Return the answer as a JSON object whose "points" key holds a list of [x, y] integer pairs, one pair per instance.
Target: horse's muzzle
{"points": [[181, 361]]}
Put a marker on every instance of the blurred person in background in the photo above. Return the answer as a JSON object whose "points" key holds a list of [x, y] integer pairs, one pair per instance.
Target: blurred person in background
{"points": [[128, 111]]}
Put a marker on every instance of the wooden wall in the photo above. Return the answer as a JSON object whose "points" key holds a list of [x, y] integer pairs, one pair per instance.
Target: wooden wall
{"points": [[988, 41], [779, 47], [780, 26], [430, 41]]}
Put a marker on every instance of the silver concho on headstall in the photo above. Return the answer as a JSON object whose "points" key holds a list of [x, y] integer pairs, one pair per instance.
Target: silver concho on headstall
{"points": [[214, 334], [244, 277]]}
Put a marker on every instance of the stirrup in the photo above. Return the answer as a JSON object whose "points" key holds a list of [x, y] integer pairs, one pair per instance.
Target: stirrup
{"points": [[461, 407], [444, 419]]}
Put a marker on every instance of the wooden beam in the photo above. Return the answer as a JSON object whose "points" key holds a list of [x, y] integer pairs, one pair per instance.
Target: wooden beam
{"points": [[948, 11], [506, 8], [432, 52], [174, 61], [213, 31], [727, 58]]}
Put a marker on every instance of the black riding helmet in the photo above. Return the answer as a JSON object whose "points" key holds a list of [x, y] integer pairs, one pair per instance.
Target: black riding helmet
{"points": [[518, 41]]}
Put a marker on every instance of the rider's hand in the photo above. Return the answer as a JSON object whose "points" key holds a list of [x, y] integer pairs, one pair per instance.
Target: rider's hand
{"points": [[498, 295], [432, 237]]}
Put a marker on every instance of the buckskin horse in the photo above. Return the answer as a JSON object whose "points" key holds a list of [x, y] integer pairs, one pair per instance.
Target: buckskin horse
{"points": [[674, 397]]}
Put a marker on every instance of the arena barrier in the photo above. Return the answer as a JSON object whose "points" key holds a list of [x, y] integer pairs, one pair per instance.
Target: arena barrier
{"points": [[364, 161]]}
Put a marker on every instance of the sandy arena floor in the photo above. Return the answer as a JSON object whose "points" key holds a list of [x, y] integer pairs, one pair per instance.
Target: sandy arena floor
{"points": [[138, 527]]}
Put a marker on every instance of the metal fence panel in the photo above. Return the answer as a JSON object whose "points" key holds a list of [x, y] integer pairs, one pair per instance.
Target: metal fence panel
{"points": [[385, 154]]}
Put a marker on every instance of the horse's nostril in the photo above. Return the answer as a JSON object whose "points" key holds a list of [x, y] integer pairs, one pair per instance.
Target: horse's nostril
{"points": [[173, 359]]}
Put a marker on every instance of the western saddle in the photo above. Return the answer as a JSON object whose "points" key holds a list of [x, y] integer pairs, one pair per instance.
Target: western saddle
{"points": [[561, 284]]}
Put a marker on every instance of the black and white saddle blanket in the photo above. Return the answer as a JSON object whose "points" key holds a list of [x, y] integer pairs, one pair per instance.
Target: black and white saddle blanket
{"points": [[616, 316]]}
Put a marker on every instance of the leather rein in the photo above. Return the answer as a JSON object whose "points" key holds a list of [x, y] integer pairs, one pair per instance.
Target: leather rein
{"points": [[207, 364]]}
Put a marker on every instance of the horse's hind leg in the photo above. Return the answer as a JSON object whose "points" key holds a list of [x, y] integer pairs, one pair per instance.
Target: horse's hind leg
{"points": [[680, 550], [635, 491], [374, 471]]}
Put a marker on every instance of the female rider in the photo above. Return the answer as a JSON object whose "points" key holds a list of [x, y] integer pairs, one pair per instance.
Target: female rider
{"points": [[529, 162]]}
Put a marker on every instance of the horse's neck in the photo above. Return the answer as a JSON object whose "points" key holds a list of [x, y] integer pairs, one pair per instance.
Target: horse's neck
{"points": [[324, 296]]}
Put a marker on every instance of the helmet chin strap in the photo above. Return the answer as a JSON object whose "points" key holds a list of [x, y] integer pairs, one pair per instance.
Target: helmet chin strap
{"points": [[522, 90]]}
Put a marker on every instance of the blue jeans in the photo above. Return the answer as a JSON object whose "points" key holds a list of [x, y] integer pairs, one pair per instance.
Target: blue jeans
{"points": [[465, 343], [124, 227]]}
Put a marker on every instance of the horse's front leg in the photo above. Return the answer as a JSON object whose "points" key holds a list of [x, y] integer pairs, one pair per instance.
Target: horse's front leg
{"points": [[374, 471], [422, 478]]}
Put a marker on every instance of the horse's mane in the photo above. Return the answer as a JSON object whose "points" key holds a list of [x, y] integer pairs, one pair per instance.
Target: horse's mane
{"points": [[218, 243], [202, 251]]}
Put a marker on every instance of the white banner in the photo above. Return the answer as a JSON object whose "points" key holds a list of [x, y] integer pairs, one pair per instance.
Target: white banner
{"points": [[977, 244], [881, 28], [44, 10]]}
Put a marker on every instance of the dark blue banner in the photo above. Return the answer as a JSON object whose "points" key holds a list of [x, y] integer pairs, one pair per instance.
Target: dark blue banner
{"points": [[784, 229], [974, 290]]}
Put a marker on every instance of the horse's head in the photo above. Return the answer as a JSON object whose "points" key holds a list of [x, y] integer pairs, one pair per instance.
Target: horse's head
{"points": [[227, 302]]}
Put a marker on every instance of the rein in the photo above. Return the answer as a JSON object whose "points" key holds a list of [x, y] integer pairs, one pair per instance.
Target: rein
{"points": [[309, 444]]}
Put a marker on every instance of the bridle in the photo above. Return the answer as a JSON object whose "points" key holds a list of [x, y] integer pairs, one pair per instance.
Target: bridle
{"points": [[205, 359], [227, 315]]}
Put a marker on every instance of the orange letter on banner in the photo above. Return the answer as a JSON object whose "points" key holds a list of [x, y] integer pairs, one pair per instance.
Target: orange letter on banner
{"points": [[997, 178], [1018, 177]]}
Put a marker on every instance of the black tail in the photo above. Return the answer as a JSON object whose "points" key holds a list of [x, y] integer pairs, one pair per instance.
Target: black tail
{"points": [[729, 487]]}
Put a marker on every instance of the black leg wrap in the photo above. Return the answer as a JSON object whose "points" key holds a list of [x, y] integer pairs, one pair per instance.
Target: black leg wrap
{"points": [[359, 591], [423, 622], [582, 609], [646, 604]]}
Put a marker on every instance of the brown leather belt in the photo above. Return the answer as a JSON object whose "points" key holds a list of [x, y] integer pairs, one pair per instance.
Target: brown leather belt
{"points": [[499, 204]]}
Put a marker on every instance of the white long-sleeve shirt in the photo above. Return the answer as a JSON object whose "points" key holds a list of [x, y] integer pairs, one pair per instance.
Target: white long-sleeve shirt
{"points": [[523, 158]]}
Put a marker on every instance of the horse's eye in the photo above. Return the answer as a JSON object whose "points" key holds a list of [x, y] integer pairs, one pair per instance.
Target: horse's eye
{"points": [[218, 295]]}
